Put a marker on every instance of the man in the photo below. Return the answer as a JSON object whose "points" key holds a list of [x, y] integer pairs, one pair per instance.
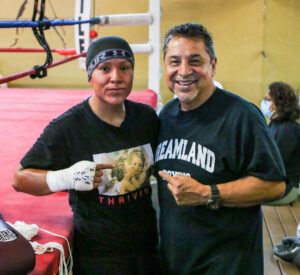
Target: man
{"points": [[113, 233], [217, 162]]}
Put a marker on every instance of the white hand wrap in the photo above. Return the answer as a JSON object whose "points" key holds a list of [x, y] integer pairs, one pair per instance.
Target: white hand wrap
{"points": [[79, 176]]}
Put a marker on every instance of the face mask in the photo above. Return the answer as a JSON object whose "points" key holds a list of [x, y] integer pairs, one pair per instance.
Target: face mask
{"points": [[265, 108]]}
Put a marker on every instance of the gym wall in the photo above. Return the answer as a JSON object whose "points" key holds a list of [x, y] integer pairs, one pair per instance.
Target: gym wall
{"points": [[256, 41]]}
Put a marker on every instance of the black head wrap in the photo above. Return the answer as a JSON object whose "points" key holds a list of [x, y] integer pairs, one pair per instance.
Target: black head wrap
{"points": [[104, 48]]}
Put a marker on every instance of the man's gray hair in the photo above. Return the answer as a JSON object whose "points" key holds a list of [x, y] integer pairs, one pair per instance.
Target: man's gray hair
{"points": [[191, 31]]}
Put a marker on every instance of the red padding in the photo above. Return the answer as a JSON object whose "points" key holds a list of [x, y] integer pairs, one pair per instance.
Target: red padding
{"points": [[148, 97]]}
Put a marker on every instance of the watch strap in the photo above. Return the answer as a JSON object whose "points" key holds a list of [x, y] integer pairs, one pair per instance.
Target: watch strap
{"points": [[215, 193], [215, 201]]}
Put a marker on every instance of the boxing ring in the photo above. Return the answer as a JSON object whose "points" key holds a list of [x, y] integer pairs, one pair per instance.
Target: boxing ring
{"points": [[25, 112]]}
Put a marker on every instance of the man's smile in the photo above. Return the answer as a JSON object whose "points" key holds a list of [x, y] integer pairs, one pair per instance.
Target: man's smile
{"points": [[185, 82]]}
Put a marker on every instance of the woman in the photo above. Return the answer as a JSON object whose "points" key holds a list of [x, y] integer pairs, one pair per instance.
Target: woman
{"points": [[281, 106], [113, 234]]}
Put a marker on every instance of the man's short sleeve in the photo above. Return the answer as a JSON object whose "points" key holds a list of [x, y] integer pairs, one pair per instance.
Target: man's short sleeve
{"points": [[262, 157]]}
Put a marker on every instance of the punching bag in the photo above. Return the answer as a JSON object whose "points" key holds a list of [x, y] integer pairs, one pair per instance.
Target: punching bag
{"points": [[16, 253]]}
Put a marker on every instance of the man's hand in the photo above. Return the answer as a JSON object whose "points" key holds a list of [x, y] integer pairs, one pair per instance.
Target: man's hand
{"points": [[187, 191]]}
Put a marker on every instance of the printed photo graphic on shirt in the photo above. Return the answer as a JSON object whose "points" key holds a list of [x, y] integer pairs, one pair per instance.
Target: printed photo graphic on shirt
{"points": [[132, 170]]}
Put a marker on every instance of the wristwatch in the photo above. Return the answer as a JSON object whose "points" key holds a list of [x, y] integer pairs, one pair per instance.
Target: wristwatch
{"points": [[215, 201]]}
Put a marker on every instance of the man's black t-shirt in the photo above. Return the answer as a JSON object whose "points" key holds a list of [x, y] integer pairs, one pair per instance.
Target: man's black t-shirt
{"points": [[224, 139]]}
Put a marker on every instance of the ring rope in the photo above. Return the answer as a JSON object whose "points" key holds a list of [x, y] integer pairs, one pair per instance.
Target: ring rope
{"points": [[23, 50], [33, 71], [40, 71], [149, 18], [56, 22]]}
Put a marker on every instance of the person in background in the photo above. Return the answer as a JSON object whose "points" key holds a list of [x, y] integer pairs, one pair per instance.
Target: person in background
{"points": [[113, 234], [281, 106], [217, 162]]}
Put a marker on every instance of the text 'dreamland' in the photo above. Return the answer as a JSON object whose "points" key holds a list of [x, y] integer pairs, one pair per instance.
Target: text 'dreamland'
{"points": [[183, 149]]}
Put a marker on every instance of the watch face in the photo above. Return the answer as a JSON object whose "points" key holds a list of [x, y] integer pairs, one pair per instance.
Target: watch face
{"points": [[215, 201], [213, 204]]}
